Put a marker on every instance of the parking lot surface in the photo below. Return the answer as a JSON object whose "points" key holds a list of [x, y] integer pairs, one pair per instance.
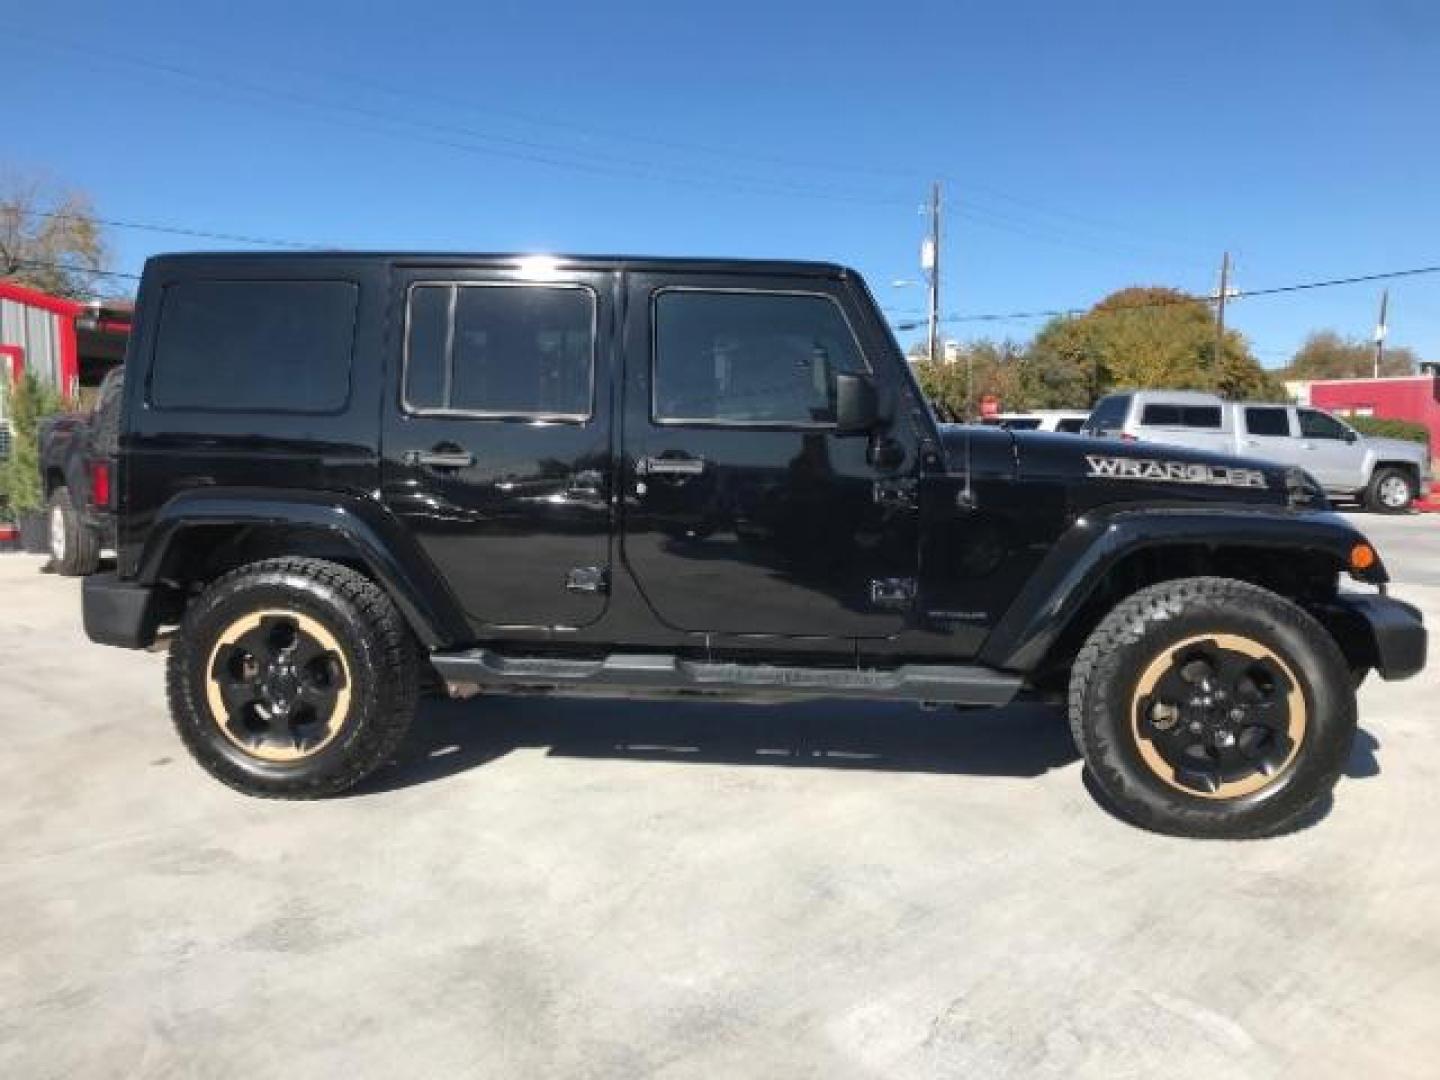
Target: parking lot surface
{"points": [[568, 888]]}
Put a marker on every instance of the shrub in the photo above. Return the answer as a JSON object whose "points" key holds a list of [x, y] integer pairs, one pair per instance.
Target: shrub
{"points": [[1390, 429], [30, 402]]}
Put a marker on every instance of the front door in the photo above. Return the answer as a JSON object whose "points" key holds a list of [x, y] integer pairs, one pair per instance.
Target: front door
{"points": [[745, 511], [1331, 453], [497, 439]]}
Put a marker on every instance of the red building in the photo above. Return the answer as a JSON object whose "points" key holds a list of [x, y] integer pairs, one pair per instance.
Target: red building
{"points": [[1410, 397]]}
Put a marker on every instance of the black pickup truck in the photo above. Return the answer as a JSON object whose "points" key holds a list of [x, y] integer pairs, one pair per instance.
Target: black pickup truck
{"points": [[347, 480], [77, 454]]}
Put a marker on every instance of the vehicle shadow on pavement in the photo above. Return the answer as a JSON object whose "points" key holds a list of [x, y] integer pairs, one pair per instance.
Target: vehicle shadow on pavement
{"points": [[449, 737]]}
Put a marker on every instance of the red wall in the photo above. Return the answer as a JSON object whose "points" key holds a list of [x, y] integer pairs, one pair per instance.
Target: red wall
{"points": [[1416, 399]]}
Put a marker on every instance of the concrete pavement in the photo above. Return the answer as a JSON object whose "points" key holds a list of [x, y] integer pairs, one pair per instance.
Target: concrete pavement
{"points": [[551, 888]]}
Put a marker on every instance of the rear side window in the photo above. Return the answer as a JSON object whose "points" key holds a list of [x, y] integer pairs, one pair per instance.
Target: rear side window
{"points": [[750, 358], [272, 346], [1189, 416], [1109, 414], [1267, 421], [1070, 426], [501, 350]]}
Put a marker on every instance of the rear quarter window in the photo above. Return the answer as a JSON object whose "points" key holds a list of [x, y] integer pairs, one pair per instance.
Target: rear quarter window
{"points": [[1186, 416], [254, 346]]}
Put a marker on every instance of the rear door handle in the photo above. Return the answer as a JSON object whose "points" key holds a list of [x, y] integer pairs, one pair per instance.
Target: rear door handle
{"points": [[661, 466], [440, 459]]}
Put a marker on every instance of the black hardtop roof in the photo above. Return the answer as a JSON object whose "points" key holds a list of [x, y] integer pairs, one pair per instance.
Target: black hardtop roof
{"points": [[703, 265]]}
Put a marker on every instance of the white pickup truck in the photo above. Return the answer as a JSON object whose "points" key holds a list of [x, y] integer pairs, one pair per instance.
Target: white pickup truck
{"points": [[1386, 474]]}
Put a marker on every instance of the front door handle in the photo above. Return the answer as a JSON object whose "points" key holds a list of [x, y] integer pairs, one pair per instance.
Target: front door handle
{"points": [[664, 466], [440, 459]]}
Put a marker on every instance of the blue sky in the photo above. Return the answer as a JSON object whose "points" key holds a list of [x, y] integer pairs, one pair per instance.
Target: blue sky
{"points": [[1083, 146]]}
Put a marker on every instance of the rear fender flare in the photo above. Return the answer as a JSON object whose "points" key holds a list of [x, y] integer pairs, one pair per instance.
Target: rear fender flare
{"points": [[381, 543]]}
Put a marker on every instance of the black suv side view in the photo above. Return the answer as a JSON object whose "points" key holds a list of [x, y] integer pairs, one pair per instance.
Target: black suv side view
{"points": [[347, 479]]}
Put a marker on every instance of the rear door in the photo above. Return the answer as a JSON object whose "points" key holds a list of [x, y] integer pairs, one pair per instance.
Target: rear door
{"points": [[496, 448], [746, 513], [1268, 432]]}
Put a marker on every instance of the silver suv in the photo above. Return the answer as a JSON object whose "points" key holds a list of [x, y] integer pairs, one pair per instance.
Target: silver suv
{"points": [[1386, 474]]}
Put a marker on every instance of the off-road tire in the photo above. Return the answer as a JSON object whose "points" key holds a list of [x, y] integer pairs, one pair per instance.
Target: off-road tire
{"points": [[75, 549], [1105, 706], [1375, 500], [379, 654]]}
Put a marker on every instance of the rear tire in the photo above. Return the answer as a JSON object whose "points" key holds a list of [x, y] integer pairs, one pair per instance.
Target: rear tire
{"points": [[1210, 707], [74, 547], [1391, 491], [292, 678]]}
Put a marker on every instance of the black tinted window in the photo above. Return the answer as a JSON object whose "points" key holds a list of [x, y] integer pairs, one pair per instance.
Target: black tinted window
{"points": [[524, 350], [1109, 414], [749, 357], [1070, 426], [279, 346], [1267, 421], [1319, 425], [1192, 416]]}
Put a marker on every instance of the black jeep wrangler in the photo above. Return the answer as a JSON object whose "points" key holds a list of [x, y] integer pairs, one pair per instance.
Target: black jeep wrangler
{"points": [[350, 479]]}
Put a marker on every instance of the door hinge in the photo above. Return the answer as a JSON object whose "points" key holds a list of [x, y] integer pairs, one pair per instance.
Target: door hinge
{"points": [[892, 592], [897, 493], [587, 579]]}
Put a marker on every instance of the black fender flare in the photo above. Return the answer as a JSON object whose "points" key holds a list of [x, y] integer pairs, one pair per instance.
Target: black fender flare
{"points": [[1100, 539], [364, 525]]}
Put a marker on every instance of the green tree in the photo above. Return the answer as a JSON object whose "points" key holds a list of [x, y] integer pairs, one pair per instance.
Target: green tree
{"points": [[1142, 337], [30, 402], [49, 239], [1327, 355]]}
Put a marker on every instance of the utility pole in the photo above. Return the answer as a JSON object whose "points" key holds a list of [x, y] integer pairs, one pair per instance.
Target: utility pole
{"points": [[1381, 330], [1220, 309], [930, 262]]}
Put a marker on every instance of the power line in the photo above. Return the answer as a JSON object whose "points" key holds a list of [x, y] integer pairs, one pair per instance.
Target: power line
{"points": [[1185, 298], [176, 230], [85, 270]]}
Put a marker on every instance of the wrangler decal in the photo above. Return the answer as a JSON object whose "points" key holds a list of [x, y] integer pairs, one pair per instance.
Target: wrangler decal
{"points": [[1174, 472]]}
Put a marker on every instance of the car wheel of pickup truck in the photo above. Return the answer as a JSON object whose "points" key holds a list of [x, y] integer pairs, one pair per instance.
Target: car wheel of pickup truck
{"points": [[292, 678], [1211, 707], [74, 549], [1390, 492]]}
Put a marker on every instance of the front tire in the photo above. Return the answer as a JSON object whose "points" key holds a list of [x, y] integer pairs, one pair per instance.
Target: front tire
{"points": [[292, 678], [1391, 491], [1210, 707], [74, 548]]}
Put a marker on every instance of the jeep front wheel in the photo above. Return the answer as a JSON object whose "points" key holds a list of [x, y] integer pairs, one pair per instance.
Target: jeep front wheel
{"points": [[1212, 707], [292, 678]]}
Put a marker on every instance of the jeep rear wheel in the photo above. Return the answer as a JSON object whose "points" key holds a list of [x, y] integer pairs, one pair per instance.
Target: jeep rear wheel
{"points": [[292, 678], [1212, 707]]}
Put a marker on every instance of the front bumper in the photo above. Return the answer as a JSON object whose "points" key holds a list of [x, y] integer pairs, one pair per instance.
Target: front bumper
{"points": [[1388, 634], [117, 612]]}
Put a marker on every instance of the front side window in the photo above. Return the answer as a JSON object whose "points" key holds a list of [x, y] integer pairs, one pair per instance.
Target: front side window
{"points": [[1272, 422], [501, 350], [749, 358], [1319, 425], [269, 346]]}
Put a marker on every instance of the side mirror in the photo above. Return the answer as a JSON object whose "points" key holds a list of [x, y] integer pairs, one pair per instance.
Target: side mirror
{"points": [[1350, 435], [857, 406]]}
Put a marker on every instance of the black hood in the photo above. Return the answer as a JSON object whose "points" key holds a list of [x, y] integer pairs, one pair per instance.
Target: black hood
{"points": [[1107, 471]]}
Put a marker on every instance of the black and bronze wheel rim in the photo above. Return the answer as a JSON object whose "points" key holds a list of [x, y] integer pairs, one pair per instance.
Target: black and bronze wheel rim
{"points": [[1218, 716], [278, 685]]}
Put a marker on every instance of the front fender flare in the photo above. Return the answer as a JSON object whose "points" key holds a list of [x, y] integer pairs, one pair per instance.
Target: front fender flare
{"points": [[1099, 540], [386, 549]]}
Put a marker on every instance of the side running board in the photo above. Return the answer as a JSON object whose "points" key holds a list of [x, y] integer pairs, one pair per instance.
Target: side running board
{"points": [[647, 675]]}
